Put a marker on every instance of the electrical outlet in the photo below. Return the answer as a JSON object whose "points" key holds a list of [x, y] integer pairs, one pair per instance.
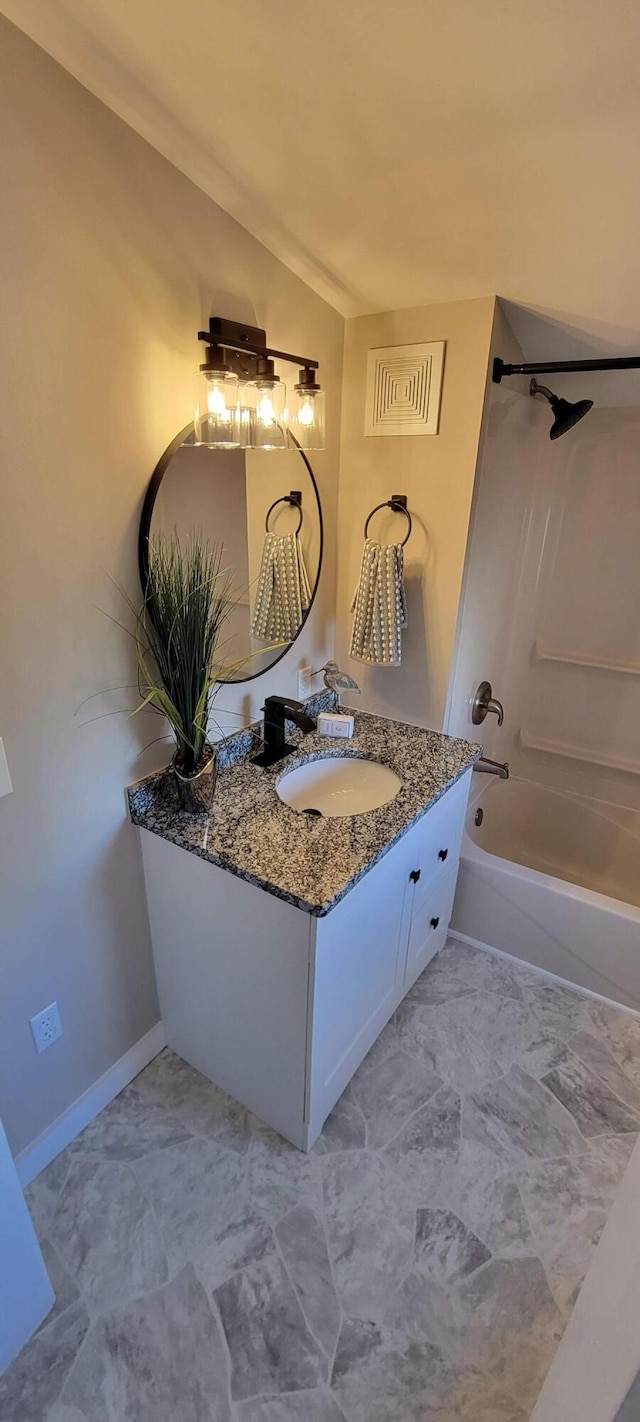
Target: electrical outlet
{"points": [[46, 1027], [304, 683]]}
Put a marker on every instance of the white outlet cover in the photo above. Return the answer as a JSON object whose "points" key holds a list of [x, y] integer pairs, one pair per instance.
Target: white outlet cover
{"points": [[46, 1027], [305, 675]]}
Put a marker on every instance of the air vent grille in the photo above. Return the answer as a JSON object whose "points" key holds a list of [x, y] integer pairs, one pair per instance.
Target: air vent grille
{"points": [[403, 389]]}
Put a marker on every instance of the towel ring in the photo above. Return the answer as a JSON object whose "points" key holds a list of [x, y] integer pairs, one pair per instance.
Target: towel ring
{"points": [[295, 499], [398, 504]]}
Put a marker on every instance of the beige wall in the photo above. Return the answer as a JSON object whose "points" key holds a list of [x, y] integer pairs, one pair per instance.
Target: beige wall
{"points": [[111, 260], [510, 444], [437, 474]]}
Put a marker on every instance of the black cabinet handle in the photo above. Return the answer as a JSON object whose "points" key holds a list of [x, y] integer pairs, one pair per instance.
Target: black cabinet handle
{"points": [[414, 876], [442, 854], [435, 922]]}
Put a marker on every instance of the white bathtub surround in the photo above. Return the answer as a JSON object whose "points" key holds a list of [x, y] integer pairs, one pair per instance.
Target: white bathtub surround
{"points": [[548, 615], [554, 879], [423, 1259], [570, 837]]}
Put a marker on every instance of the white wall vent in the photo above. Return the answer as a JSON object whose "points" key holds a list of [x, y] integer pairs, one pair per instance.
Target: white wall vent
{"points": [[403, 389]]}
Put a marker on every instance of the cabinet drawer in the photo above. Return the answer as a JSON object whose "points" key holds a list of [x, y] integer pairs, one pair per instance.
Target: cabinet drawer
{"points": [[429, 925], [439, 835]]}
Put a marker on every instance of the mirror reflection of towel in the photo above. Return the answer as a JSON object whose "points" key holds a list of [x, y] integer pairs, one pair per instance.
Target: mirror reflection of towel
{"points": [[284, 593], [379, 606]]}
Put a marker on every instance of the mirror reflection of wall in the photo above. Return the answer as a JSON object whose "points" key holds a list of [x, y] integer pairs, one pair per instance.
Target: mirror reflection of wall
{"points": [[227, 494], [189, 498]]}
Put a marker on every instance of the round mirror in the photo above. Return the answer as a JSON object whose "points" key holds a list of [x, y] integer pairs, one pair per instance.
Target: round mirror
{"points": [[263, 506]]}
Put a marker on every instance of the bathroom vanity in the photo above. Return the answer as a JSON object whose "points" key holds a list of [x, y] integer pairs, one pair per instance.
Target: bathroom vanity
{"points": [[284, 941]]}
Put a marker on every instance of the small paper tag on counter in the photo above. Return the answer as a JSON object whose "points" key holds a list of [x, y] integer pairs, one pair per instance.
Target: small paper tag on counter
{"points": [[335, 723]]}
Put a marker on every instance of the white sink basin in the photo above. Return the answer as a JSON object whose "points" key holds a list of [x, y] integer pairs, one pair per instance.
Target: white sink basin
{"points": [[338, 785]]}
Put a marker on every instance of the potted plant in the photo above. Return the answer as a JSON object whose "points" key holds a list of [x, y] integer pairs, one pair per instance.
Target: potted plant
{"points": [[178, 640]]}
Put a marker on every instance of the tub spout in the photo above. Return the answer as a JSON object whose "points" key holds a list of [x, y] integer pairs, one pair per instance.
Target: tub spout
{"points": [[492, 767]]}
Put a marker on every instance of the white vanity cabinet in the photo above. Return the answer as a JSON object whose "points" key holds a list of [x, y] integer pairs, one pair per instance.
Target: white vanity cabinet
{"points": [[279, 1007]]}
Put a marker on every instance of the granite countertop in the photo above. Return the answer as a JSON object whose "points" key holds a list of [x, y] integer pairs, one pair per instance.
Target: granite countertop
{"points": [[311, 863]]}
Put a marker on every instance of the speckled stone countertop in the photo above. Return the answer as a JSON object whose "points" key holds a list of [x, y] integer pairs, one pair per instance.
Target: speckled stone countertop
{"points": [[311, 863]]}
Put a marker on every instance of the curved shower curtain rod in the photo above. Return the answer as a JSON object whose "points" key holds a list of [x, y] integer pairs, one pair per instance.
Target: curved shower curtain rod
{"points": [[563, 367]]}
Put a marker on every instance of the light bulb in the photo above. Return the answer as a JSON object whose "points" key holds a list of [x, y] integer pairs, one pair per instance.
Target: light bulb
{"points": [[216, 409], [216, 403], [268, 398], [307, 425], [266, 412]]}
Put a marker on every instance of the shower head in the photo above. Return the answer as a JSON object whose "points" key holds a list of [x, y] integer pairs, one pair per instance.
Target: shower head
{"points": [[336, 680], [565, 413]]}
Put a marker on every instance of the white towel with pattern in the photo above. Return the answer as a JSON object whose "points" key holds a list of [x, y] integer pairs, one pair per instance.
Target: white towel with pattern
{"points": [[379, 606], [283, 594]]}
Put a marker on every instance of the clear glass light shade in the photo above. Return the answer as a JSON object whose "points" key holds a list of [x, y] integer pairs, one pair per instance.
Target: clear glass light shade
{"points": [[307, 418], [264, 415], [246, 421], [217, 413]]}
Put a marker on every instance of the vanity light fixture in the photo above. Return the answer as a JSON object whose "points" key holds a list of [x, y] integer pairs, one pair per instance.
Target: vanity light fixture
{"points": [[242, 403]]}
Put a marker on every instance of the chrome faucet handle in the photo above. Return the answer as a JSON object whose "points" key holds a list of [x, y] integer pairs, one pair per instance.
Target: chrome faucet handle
{"points": [[497, 708], [483, 702]]}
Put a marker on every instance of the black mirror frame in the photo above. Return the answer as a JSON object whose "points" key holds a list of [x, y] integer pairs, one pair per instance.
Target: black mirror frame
{"points": [[145, 529]]}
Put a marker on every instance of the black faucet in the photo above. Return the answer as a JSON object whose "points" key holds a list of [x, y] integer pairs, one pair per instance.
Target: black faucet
{"points": [[277, 710]]}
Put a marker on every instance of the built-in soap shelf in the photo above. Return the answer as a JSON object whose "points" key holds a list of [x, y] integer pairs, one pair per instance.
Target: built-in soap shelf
{"points": [[578, 659], [608, 762]]}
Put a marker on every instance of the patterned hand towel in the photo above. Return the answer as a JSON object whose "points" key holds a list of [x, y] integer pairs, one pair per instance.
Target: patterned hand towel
{"points": [[283, 594], [379, 606]]}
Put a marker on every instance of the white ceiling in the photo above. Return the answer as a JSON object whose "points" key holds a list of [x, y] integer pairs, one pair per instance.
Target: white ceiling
{"points": [[397, 152]]}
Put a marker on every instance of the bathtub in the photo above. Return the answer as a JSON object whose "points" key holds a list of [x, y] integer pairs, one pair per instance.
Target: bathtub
{"points": [[553, 879]]}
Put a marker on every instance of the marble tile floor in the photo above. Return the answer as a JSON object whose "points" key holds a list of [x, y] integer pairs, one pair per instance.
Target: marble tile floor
{"points": [[418, 1266]]}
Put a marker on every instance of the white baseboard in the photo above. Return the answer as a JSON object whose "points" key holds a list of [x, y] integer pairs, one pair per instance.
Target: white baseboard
{"points": [[543, 973], [58, 1135]]}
